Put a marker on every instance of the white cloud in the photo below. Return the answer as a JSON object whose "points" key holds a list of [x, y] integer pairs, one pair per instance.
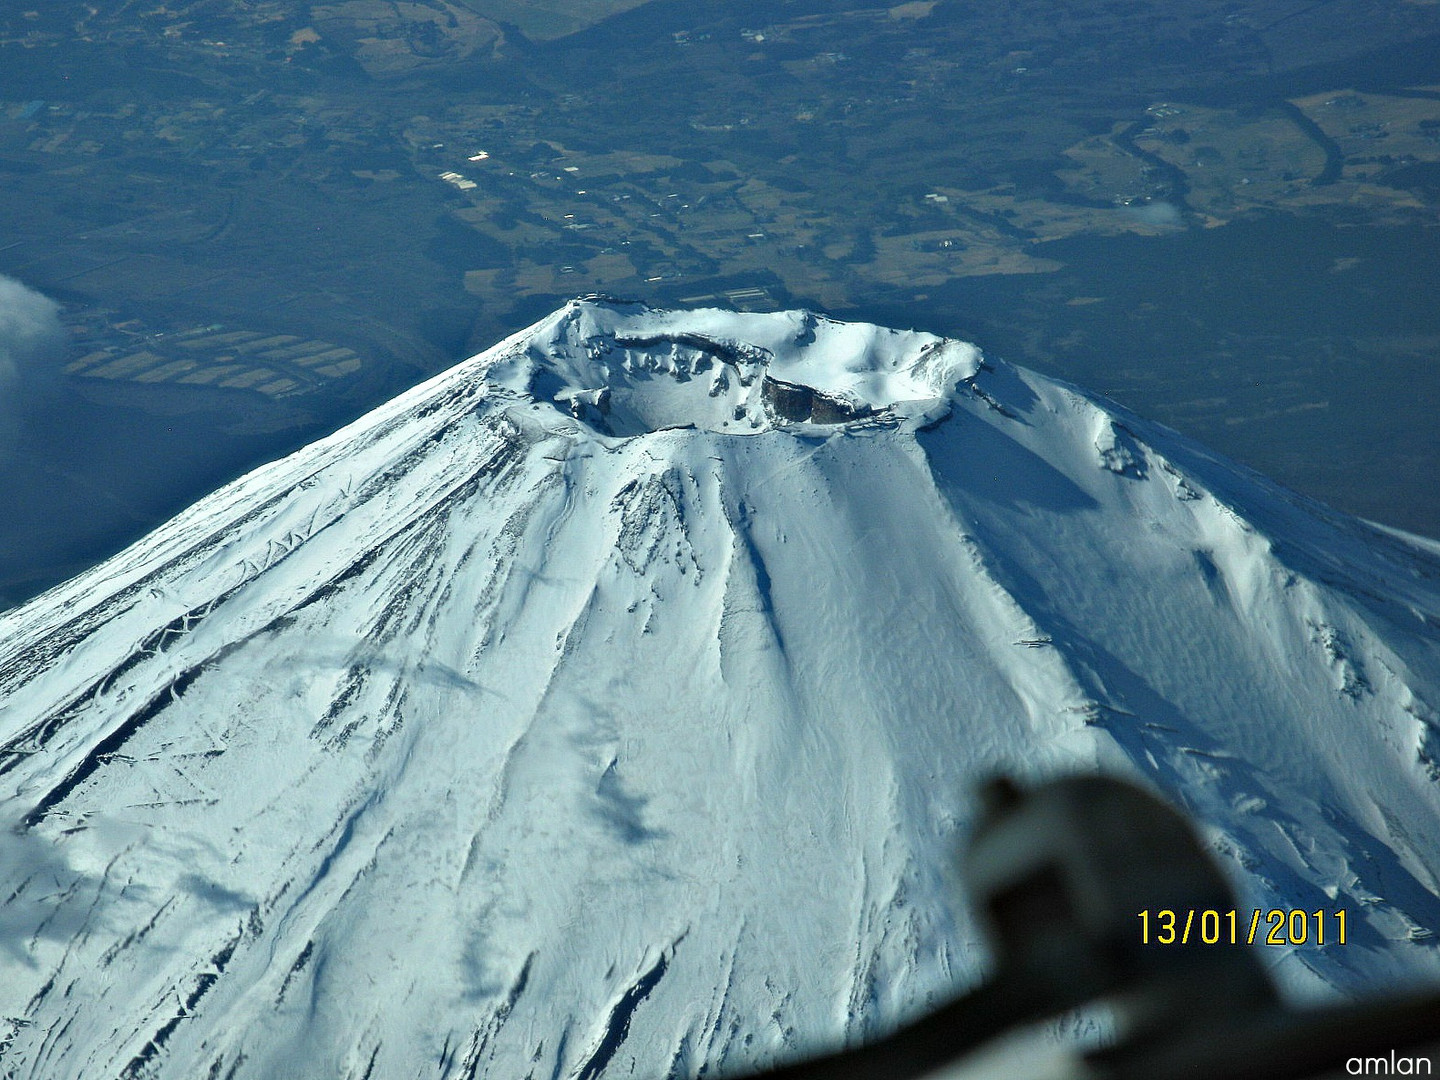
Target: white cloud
{"points": [[31, 341], [1162, 214]]}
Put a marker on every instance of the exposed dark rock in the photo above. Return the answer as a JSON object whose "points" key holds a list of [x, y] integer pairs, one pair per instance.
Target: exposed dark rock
{"points": [[793, 401]]}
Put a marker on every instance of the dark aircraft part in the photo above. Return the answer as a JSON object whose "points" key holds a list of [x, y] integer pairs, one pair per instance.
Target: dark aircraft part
{"points": [[1059, 875]]}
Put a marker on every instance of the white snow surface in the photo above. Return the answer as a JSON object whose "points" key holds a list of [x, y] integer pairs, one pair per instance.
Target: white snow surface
{"points": [[576, 715]]}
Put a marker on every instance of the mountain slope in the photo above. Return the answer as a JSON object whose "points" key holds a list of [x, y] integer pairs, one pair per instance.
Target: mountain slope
{"points": [[609, 706]]}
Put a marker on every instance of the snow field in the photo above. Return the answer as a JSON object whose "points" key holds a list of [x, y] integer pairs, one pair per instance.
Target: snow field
{"points": [[496, 735]]}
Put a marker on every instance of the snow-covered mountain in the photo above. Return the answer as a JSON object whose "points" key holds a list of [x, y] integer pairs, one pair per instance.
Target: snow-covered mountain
{"points": [[610, 705]]}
